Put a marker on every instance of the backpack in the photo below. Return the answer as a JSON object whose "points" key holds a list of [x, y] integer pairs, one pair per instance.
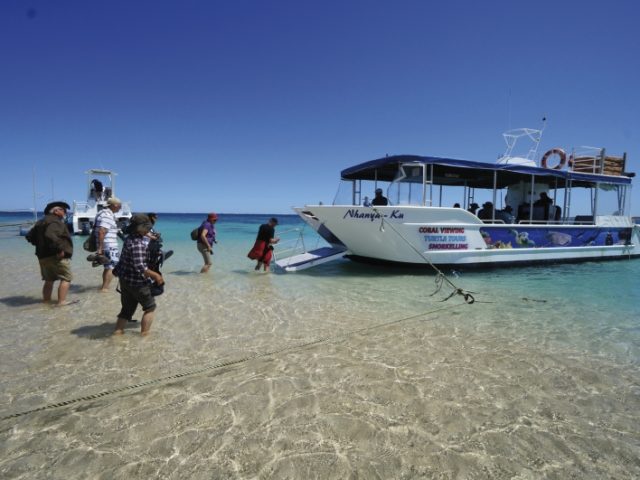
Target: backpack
{"points": [[91, 244], [32, 234], [195, 234]]}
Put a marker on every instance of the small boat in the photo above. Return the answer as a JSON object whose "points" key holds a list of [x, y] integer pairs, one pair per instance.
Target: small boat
{"points": [[561, 208], [25, 228], [100, 187]]}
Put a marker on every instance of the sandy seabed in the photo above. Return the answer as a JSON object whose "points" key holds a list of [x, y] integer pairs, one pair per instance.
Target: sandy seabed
{"points": [[296, 376]]}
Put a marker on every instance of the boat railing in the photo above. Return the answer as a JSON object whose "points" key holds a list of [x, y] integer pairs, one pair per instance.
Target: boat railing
{"points": [[290, 246], [594, 160], [526, 221], [125, 209], [87, 207], [81, 207], [583, 220]]}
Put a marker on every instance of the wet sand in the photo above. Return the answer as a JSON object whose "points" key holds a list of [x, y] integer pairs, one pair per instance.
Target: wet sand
{"points": [[395, 386]]}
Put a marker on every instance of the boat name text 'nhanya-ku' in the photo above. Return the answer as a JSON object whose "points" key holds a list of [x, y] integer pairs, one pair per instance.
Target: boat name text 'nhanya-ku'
{"points": [[355, 213]]}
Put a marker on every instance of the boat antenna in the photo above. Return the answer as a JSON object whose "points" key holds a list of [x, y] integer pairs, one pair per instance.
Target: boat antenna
{"points": [[537, 141], [33, 181], [509, 110]]}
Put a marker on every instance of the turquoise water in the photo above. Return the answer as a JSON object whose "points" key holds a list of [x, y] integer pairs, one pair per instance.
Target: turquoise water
{"points": [[537, 379], [601, 298]]}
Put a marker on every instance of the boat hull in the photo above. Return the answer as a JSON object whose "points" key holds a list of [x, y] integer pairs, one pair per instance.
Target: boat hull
{"points": [[81, 221], [410, 235]]}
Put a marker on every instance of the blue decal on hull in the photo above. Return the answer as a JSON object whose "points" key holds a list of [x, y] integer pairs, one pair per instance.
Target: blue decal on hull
{"points": [[550, 237]]}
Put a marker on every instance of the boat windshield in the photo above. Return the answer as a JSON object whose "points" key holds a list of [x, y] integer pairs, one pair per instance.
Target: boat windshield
{"points": [[410, 187]]}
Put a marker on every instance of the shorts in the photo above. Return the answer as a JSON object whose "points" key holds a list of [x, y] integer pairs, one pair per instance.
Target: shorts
{"points": [[113, 254], [206, 256], [53, 268], [131, 296]]}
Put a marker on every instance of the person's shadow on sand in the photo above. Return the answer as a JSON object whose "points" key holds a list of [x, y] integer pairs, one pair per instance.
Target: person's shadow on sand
{"points": [[181, 272], [99, 332], [76, 288], [21, 301]]}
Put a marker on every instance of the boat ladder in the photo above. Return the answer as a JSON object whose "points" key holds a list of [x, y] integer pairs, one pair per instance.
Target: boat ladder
{"points": [[291, 255]]}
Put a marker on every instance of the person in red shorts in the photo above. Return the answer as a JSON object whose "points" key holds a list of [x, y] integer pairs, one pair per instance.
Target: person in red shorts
{"points": [[262, 250]]}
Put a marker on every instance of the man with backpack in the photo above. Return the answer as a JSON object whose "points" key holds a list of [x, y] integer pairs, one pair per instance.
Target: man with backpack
{"points": [[206, 237], [106, 227], [54, 249], [137, 276]]}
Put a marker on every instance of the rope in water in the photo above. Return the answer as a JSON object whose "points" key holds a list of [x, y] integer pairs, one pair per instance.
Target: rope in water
{"points": [[216, 366], [441, 278], [15, 224]]}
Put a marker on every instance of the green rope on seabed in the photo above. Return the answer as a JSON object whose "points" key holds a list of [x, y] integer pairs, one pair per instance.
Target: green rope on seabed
{"points": [[216, 366], [441, 278]]}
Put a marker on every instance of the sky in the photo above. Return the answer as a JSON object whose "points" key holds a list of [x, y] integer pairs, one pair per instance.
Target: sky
{"points": [[255, 106]]}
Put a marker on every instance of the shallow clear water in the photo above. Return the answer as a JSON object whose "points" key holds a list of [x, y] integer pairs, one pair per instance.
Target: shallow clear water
{"points": [[344, 370]]}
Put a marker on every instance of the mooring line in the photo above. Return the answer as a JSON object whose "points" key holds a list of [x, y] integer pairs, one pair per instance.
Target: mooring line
{"points": [[440, 276], [216, 366]]}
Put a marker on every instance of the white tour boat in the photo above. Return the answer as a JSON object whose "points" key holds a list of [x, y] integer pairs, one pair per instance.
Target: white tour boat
{"points": [[567, 208], [100, 187]]}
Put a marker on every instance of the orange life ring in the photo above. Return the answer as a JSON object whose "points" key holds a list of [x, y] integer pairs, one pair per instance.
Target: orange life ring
{"points": [[554, 151]]}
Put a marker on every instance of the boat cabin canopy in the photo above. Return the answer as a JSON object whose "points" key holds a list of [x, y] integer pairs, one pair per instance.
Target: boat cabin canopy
{"points": [[449, 171], [101, 185]]}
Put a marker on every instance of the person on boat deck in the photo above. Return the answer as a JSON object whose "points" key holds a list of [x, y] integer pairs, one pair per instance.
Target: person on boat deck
{"points": [[473, 208], [507, 214], [456, 205], [97, 189], [486, 213], [206, 239], [107, 239], [136, 277], [366, 202], [54, 249], [262, 250], [379, 199], [545, 202]]}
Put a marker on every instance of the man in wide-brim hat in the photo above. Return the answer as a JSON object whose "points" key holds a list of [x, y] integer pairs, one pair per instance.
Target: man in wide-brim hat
{"points": [[54, 249], [52, 205]]}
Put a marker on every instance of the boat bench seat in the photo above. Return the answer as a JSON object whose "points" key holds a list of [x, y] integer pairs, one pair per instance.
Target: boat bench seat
{"points": [[583, 219]]}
